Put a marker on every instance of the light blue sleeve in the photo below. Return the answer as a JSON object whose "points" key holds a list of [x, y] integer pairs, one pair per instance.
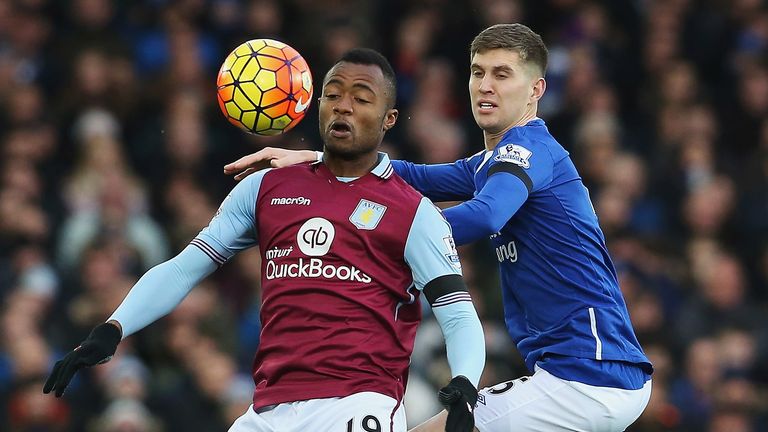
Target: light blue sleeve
{"points": [[161, 289], [464, 339], [430, 250], [233, 228], [431, 254]]}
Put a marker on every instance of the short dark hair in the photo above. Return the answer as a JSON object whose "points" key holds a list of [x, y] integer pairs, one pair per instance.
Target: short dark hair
{"points": [[367, 56], [514, 37]]}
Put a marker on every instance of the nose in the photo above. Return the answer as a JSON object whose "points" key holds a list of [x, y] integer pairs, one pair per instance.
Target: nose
{"points": [[485, 85], [343, 105]]}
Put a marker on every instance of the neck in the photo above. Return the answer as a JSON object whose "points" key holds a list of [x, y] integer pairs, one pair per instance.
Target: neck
{"points": [[357, 166], [493, 139]]}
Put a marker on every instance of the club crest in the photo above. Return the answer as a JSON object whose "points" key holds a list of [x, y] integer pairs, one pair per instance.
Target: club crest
{"points": [[367, 214]]}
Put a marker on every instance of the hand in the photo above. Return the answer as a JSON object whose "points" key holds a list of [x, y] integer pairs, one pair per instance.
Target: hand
{"points": [[459, 398], [268, 157], [97, 348]]}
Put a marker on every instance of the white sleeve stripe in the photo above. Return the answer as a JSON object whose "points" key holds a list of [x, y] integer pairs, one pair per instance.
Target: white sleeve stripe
{"points": [[208, 250], [466, 300], [449, 296], [452, 298], [598, 342]]}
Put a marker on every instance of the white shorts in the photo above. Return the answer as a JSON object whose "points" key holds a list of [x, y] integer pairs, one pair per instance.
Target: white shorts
{"points": [[360, 412], [546, 403]]}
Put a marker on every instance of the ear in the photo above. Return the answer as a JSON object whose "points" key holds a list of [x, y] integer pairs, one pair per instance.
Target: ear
{"points": [[539, 86], [390, 118]]}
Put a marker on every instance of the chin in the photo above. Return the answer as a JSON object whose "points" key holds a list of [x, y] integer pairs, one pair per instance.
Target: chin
{"points": [[488, 125], [342, 150]]}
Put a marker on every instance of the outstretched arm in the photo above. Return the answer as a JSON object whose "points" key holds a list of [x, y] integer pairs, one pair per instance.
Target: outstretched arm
{"points": [[431, 254], [512, 175], [488, 212], [164, 286], [157, 293], [161, 289], [268, 157], [439, 182]]}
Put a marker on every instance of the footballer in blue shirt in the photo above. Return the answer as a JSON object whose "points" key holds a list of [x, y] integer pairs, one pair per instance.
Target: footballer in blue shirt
{"points": [[562, 302]]}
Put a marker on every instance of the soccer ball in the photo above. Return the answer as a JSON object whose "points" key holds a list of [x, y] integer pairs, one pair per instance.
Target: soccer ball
{"points": [[264, 87]]}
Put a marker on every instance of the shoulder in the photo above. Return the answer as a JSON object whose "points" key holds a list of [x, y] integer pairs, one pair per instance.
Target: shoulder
{"points": [[537, 136], [402, 191], [251, 182], [533, 142], [476, 158], [400, 196], [292, 170], [430, 221], [274, 177]]}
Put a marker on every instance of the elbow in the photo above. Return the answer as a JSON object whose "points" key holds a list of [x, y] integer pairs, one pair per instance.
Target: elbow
{"points": [[489, 218], [474, 231], [490, 225]]}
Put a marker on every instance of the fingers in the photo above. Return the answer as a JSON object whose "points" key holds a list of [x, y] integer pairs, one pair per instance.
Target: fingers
{"points": [[50, 383], [448, 396], [68, 370], [250, 161], [280, 162], [237, 165], [245, 174], [267, 157], [61, 375]]}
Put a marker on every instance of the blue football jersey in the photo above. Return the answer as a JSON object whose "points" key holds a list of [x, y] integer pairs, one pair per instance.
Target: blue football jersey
{"points": [[562, 302]]}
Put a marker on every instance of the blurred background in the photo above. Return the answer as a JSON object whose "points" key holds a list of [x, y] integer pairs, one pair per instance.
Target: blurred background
{"points": [[112, 152]]}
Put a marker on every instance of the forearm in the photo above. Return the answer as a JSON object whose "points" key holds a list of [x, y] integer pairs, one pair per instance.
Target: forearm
{"points": [[464, 339], [489, 211], [438, 182], [161, 289]]}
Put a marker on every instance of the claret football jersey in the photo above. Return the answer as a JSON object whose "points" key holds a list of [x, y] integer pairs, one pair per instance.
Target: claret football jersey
{"points": [[342, 263]]}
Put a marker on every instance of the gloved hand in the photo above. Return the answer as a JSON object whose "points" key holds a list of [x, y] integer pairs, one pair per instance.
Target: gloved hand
{"points": [[459, 398], [97, 348]]}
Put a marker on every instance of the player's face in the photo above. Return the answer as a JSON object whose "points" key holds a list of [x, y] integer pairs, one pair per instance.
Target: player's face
{"points": [[503, 89], [354, 110]]}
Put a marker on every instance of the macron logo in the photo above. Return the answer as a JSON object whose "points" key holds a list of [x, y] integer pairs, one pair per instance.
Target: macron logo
{"points": [[291, 201]]}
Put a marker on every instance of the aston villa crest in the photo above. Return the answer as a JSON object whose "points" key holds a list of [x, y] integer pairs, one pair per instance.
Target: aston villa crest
{"points": [[367, 214]]}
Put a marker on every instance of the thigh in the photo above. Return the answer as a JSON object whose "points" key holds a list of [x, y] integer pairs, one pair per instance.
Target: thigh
{"points": [[360, 412], [624, 406], [545, 403], [539, 403]]}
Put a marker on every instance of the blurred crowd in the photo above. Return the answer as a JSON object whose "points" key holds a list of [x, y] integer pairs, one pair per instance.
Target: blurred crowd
{"points": [[112, 153]]}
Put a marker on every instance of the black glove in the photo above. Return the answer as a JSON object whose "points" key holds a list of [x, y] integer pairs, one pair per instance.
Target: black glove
{"points": [[97, 348], [459, 398]]}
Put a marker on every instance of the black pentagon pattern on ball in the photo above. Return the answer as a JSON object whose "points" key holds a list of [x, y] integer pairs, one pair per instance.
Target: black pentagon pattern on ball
{"points": [[256, 92]]}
